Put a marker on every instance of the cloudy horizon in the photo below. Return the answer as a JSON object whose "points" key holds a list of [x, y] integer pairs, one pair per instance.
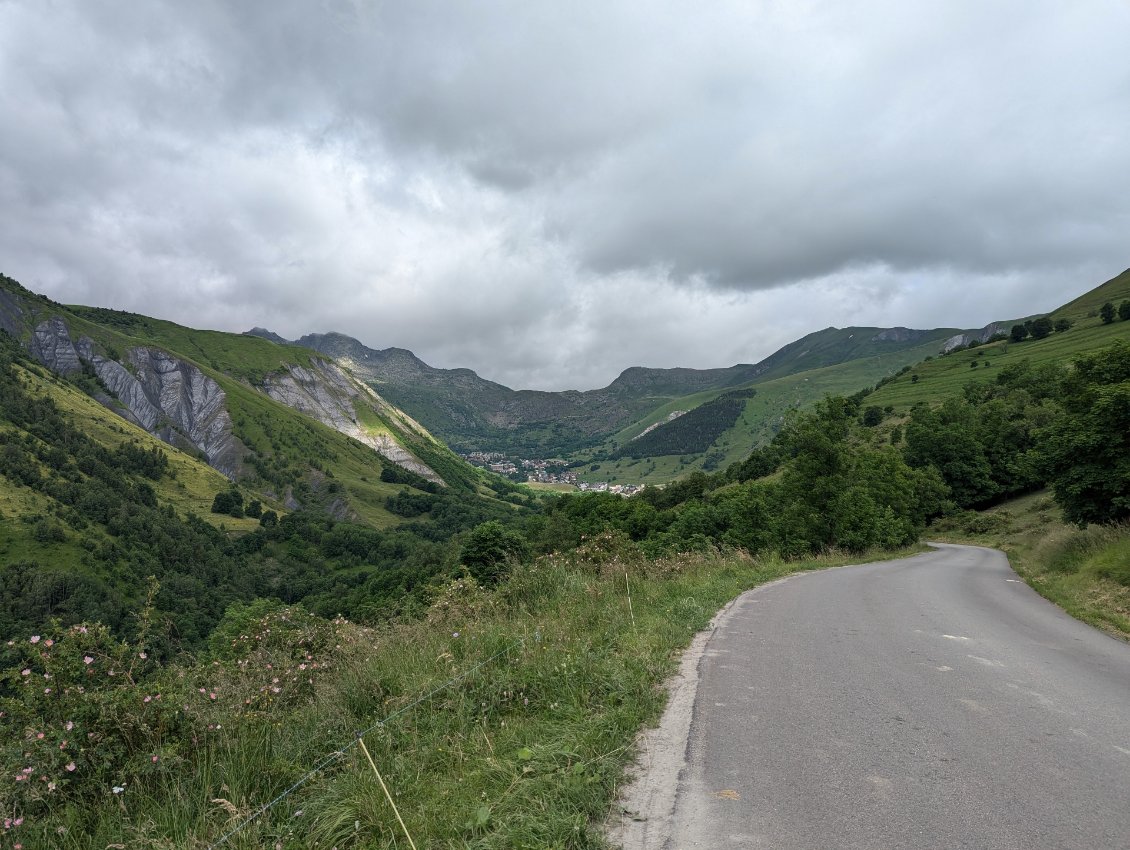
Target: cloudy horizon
{"points": [[551, 193]]}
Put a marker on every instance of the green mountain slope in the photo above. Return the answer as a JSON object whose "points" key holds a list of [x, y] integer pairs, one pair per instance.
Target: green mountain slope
{"points": [[1085, 308], [472, 413], [843, 362], [944, 376], [282, 421], [114, 446]]}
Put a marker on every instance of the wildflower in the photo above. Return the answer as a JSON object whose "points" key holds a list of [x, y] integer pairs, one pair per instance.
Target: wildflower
{"points": [[147, 698], [25, 672], [86, 659], [154, 759], [455, 634], [70, 768], [142, 655], [39, 736], [49, 642], [212, 695], [69, 725], [35, 638], [118, 789]]}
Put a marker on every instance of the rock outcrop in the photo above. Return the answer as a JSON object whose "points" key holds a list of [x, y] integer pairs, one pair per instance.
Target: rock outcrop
{"points": [[326, 392], [11, 313], [982, 335], [51, 345], [167, 396]]}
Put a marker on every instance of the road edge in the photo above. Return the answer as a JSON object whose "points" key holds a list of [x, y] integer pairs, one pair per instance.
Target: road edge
{"points": [[640, 818]]}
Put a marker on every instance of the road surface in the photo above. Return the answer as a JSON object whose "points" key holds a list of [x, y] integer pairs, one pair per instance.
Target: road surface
{"points": [[931, 702]]}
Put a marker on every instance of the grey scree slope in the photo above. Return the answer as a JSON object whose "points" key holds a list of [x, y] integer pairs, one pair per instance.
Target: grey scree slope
{"points": [[931, 702]]}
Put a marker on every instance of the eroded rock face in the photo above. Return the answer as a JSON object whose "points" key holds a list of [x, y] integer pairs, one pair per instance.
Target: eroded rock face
{"points": [[982, 335], [192, 405], [326, 393], [168, 397], [51, 345], [11, 313], [174, 400]]}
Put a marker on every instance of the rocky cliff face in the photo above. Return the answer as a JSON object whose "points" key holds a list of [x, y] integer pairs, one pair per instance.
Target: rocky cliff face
{"points": [[327, 393], [174, 400], [982, 335], [11, 313], [51, 345], [168, 397]]}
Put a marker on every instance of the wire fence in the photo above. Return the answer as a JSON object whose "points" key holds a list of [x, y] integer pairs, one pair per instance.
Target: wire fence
{"points": [[321, 765]]}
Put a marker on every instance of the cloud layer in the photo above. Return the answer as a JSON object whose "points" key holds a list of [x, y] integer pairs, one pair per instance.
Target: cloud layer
{"points": [[549, 193]]}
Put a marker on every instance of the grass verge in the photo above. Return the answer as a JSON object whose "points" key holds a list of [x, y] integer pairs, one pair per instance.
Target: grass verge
{"points": [[526, 750]]}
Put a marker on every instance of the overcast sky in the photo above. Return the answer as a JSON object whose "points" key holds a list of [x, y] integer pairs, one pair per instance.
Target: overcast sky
{"points": [[549, 192]]}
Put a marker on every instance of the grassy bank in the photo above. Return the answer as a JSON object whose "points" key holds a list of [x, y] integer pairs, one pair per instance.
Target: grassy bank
{"points": [[1084, 571], [543, 685]]}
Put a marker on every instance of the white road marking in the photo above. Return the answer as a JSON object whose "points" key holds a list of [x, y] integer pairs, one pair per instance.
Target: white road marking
{"points": [[943, 669], [1013, 580], [955, 637], [1122, 750], [988, 662]]}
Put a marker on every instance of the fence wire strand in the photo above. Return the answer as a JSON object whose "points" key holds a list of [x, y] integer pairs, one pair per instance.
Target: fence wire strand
{"points": [[320, 765]]}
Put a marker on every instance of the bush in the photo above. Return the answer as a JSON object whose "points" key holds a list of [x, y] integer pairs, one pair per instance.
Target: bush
{"points": [[83, 714], [228, 502], [1086, 452], [490, 549]]}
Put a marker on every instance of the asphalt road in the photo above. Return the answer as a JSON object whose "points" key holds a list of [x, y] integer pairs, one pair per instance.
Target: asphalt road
{"points": [[933, 702]]}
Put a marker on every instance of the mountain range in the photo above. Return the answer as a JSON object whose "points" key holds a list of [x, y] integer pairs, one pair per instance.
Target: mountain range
{"points": [[472, 413]]}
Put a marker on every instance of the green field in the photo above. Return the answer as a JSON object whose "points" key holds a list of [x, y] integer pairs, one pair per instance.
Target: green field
{"points": [[945, 376]]}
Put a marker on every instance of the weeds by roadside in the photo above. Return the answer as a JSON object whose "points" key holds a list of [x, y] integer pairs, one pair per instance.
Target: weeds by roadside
{"points": [[525, 751]]}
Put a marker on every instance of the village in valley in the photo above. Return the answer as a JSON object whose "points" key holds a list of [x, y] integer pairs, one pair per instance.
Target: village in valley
{"points": [[550, 471]]}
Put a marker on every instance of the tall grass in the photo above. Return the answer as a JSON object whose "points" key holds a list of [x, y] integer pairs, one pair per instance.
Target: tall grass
{"points": [[526, 750]]}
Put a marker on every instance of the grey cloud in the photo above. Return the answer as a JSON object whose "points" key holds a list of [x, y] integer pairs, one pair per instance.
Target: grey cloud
{"points": [[551, 192]]}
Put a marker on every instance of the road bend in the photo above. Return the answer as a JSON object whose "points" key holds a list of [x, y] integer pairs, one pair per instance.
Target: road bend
{"points": [[931, 702]]}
